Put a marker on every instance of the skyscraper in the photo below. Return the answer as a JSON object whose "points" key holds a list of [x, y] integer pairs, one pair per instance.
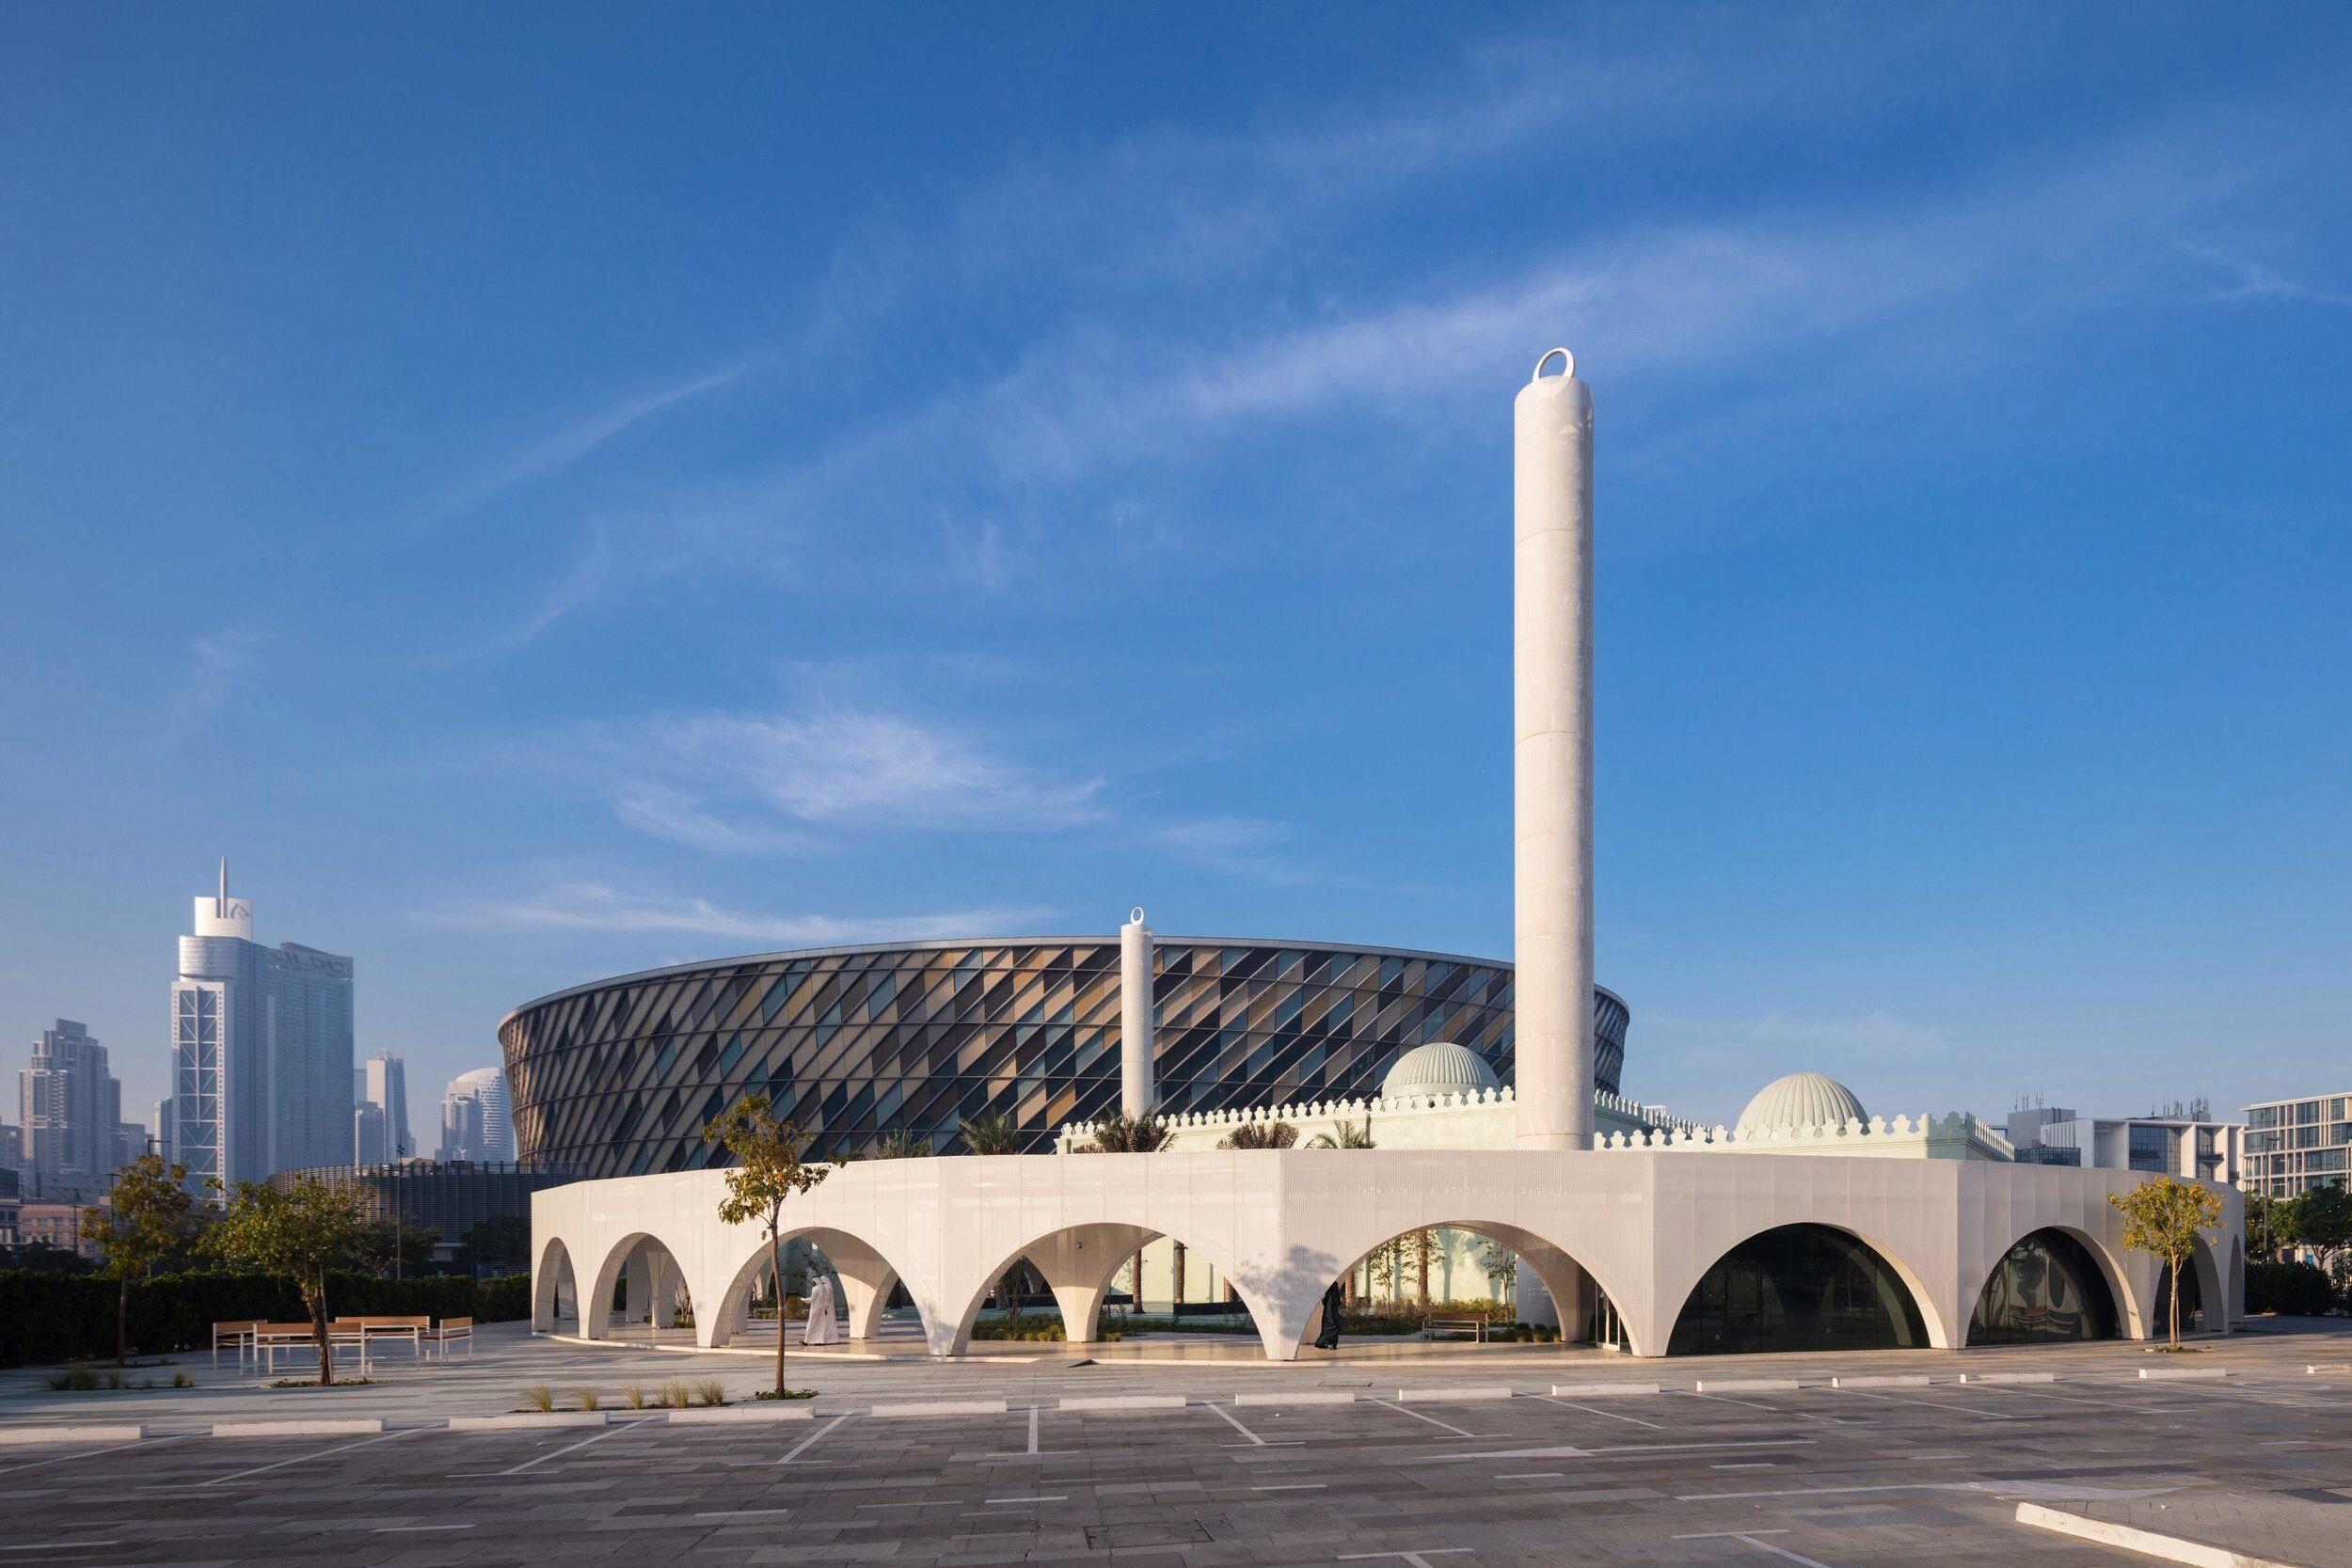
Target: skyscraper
{"points": [[262, 1071], [474, 1121], [72, 1106], [382, 1083]]}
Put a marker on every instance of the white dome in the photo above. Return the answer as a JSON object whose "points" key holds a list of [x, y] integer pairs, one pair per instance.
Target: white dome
{"points": [[1441, 1068], [1802, 1099]]}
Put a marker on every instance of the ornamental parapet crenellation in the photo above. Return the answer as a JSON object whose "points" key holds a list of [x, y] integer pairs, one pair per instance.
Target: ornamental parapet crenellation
{"points": [[1473, 1119], [1953, 1135]]}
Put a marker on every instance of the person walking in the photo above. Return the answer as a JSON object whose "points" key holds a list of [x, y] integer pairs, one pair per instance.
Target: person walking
{"points": [[1330, 1337]]}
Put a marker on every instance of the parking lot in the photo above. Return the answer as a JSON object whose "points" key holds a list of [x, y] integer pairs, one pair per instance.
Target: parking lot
{"points": [[1820, 1475]]}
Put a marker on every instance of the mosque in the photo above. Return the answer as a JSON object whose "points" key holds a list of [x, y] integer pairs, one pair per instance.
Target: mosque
{"points": [[1321, 1103]]}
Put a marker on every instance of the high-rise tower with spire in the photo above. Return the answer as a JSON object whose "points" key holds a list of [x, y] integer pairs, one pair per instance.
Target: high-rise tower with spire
{"points": [[260, 1049]]}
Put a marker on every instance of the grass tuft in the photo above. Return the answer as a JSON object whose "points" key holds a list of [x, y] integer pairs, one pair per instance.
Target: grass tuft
{"points": [[183, 1378], [673, 1395], [538, 1396], [635, 1394], [587, 1397], [709, 1390]]}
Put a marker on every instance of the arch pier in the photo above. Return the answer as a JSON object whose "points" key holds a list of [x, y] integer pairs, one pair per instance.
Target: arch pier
{"points": [[1919, 1242]]}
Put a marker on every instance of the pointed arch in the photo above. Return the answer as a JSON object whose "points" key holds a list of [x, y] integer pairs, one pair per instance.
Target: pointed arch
{"points": [[2054, 1283], [656, 1285], [866, 1280]]}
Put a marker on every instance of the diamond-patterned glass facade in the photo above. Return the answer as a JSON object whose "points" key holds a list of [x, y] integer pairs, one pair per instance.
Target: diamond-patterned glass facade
{"points": [[619, 1078]]}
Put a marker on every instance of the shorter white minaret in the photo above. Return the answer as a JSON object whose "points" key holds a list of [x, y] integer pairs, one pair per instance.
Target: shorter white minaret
{"points": [[1138, 1018]]}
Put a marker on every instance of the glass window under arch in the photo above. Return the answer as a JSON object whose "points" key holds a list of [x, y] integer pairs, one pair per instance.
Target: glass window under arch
{"points": [[2047, 1288], [1799, 1287]]}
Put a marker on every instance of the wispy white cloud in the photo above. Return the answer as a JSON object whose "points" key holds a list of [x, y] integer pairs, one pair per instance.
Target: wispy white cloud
{"points": [[1237, 846], [217, 657], [600, 908], [1850, 1036], [568, 445], [2260, 285], [763, 782]]}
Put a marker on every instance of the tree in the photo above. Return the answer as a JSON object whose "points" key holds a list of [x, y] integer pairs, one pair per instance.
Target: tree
{"points": [[2265, 1219], [386, 1248], [1349, 1136], [768, 1168], [301, 1233], [149, 1219], [902, 1145], [988, 1133], [2165, 1215], [2322, 1220], [501, 1241], [1261, 1135], [1119, 1133]]}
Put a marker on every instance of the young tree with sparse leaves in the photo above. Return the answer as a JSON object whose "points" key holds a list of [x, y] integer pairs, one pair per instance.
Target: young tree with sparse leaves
{"points": [[2167, 1216], [150, 1216], [768, 1168], [302, 1232]]}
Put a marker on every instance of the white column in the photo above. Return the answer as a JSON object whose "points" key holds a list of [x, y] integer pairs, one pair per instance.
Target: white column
{"points": [[1137, 1093], [1553, 756]]}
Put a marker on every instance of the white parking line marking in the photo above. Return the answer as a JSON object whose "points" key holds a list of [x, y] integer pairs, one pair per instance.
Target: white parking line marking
{"points": [[1263, 1443], [306, 1458], [1745, 1465], [1059, 1498], [1419, 1560], [1532, 1475], [86, 1453], [1748, 1537], [1419, 1417], [812, 1437], [415, 1530], [1590, 1410], [1033, 1419], [59, 1546], [613, 1431], [746, 1514]]}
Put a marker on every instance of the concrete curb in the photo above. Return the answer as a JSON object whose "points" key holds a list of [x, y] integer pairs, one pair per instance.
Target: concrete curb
{"points": [[2148, 1543], [1884, 1380], [529, 1421], [1124, 1402], [2176, 1374], [342, 1426], [1303, 1395], [1600, 1391], [2328, 1367], [124, 1433], [1446, 1396], [722, 1415], [2009, 1377], [1745, 1386], [943, 1407]]}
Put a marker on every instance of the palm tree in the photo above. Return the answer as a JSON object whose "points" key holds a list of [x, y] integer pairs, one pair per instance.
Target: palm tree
{"points": [[902, 1145], [1124, 1134], [988, 1133], [1348, 1135], [1261, 1135]]}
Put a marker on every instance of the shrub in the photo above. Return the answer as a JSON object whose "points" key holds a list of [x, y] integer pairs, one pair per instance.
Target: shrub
{"points": [[2298, 1289], [61, 1317]]}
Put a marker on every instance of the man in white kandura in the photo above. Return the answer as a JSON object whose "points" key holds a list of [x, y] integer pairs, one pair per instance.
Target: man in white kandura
{"points": [[820, 1329]]}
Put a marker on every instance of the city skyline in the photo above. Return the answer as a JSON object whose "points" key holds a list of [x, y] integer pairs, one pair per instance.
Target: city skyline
{"points": [[959, 511]]}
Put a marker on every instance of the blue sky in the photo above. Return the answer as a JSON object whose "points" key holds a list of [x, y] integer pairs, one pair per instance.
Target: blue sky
{"points": [[555, 490]]}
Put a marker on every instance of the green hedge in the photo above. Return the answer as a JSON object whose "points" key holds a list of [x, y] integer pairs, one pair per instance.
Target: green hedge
{"points": [[2298, 1289], [55, 1317]]}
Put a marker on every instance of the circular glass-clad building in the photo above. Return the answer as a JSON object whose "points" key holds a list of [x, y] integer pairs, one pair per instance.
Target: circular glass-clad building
{"points": [[619, 1077]]}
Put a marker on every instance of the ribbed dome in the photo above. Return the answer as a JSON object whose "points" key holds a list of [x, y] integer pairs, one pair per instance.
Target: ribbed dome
{"points": [[1440, 1068], [1802, 1099]]}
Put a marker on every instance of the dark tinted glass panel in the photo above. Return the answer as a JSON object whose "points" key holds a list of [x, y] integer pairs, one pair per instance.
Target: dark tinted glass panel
{"points": [[1801, 1287], [2047, 1286]]}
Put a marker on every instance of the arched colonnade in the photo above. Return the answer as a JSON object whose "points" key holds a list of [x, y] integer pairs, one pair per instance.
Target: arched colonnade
{"points": [[1642, 1227]]}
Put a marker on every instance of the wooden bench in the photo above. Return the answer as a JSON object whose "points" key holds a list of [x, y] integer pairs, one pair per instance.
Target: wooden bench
{"points": [[239, 1334], [1473, 1323], [452, 1331], [413, 1329]]}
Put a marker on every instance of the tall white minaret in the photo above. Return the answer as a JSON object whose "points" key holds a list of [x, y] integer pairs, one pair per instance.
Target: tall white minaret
{"points": [[1553, 756], [221, 915], [1138, 1092]]}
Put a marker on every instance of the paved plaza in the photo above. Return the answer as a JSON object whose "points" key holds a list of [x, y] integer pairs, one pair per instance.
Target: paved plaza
{"points": [[1351, 1458]]}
